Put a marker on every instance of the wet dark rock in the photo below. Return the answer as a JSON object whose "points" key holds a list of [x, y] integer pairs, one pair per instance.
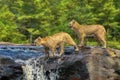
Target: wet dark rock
{"points": [[9, 69], [4, 60], [90, 67]]}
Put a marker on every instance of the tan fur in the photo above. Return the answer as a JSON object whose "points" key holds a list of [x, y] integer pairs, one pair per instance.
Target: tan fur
{"points": [[51, 42], [82, 31]]}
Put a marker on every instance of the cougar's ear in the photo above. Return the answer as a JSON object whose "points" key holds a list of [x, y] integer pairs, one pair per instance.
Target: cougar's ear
{"points": [[73, 21], [39, 38]]}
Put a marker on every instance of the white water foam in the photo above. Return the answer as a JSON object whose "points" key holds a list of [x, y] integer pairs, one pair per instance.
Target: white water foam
{"points": [[34, 70]]}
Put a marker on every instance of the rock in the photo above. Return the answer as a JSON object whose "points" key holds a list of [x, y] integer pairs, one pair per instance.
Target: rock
{"points": [[12, 44], [4, 60], [91, 67], [9, 69]]}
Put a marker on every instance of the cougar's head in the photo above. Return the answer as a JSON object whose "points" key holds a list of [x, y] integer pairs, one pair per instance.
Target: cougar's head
{"points": [[71, 24], [38, 41]]}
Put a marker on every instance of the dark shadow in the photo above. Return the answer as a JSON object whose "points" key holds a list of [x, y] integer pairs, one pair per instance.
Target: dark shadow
{"points": [[74, 71]]}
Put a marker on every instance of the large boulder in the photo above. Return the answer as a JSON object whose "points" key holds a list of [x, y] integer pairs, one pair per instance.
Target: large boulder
{"points": [[90, 67]]}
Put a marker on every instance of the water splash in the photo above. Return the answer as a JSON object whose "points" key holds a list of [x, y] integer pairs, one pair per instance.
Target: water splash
{"points": [[34, 70]]}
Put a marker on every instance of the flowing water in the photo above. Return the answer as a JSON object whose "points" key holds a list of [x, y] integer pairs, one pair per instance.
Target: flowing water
{"points": [[34, 70]]}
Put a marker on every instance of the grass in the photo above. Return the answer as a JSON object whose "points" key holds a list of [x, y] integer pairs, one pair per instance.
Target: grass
{"points": [[114, 44], [110, 44]]}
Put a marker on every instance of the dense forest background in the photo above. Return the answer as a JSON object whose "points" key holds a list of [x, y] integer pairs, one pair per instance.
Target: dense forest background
{"points": [[23, 20]]}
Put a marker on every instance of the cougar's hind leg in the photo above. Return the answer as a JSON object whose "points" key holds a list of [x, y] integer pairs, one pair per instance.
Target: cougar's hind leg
{"points": [[102, 40], [72, 43]]}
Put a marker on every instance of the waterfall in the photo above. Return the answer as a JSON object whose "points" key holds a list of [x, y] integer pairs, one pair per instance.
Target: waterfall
{"points": [[34, 70]]}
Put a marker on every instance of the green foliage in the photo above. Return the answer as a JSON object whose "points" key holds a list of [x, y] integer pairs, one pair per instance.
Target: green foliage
{"points": [[19, 19], [8, 27]]}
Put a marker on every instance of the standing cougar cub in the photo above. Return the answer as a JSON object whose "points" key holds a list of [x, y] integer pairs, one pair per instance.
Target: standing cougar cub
{"points": [[51, 42], [82, 31]]}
